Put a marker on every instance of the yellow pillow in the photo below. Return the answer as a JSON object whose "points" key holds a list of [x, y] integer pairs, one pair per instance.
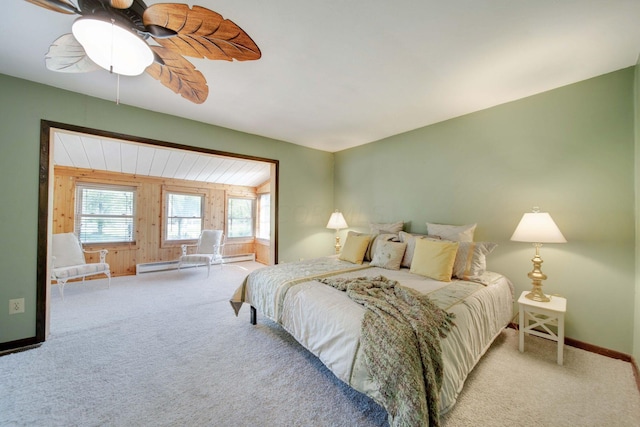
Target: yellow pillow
{"points": [[354, 248], [434, 259]]}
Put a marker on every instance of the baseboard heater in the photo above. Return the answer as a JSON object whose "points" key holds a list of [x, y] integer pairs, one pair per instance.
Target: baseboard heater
{"points": [[149, 267]]}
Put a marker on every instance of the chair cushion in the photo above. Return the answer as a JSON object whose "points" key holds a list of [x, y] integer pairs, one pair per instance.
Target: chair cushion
{"points": [[67, 250], [80, 270], [196, 258]]}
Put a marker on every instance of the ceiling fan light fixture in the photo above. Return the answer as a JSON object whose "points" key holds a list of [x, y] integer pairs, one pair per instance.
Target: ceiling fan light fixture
{"points": [[112, 47]]}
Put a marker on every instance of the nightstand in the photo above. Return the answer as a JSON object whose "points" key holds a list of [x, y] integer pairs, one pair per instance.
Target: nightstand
{"points": [[534, 314]]}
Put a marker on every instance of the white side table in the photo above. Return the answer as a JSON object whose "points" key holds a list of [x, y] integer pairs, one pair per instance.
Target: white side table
{"points": [[534, 314]]}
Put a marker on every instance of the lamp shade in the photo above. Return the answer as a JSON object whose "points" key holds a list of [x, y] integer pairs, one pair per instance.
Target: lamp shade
{"points": [[537, 227], [112, 47], [337, 221]]}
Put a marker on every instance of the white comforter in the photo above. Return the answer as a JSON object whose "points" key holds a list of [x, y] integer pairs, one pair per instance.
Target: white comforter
{"points": [[326, 322]]}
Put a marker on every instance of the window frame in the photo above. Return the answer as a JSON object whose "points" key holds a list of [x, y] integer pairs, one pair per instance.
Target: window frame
{"points": [[228, 217], [259, 211], [168, 190], [78, 214]]}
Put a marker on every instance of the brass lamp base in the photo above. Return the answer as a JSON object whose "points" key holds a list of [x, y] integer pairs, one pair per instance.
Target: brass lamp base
{"points": [[536, 294], [537, 276]]}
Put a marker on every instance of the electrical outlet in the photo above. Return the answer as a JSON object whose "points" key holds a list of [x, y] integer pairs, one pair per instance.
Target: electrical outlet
{"points": [[16, 306]]}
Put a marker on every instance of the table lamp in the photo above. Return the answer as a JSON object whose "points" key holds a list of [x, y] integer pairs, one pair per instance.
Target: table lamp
{"points": [[337, 222], [537, 227]]}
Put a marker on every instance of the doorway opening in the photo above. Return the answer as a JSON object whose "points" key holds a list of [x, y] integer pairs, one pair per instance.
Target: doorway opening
{"points": [[159, 170]]}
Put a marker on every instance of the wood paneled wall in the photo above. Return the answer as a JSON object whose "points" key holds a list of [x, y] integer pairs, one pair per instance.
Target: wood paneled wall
{"points": [[263, 251], [149, 245]]}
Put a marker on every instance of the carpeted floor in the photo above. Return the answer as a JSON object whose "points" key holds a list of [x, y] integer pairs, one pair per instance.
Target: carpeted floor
{"points": [[164, 349]]}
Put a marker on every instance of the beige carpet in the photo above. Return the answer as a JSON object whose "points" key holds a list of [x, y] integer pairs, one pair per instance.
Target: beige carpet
{"points": [[509, 388], [164, 349]]}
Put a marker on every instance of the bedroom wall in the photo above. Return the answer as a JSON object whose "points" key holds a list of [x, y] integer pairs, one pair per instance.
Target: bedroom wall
{"points": [[306, 187], [636, 99], [569, 151]]}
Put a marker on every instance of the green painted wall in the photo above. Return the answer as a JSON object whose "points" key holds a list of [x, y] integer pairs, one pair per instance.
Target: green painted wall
{"points": [[306, 179], [569, 151], [636, 323]]}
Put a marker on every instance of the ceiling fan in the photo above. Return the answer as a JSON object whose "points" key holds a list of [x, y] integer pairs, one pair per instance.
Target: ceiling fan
{"points": [[115, 35]]}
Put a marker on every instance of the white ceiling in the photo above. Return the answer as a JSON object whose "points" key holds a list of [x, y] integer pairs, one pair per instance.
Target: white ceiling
{"points": [[340, 73], [91, 152]]}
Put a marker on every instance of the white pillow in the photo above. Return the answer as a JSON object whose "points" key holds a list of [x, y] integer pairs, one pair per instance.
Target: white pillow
{"points": [[388, 255], [457, 233], [389, 227], [471, 260]]}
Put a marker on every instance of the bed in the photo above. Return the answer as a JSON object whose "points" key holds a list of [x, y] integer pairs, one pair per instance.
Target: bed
{"points": [[308, 299]]}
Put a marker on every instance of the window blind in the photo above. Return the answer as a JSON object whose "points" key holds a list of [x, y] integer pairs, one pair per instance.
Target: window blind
{"points": [[105, 213], [184, 216], [240, 217]]}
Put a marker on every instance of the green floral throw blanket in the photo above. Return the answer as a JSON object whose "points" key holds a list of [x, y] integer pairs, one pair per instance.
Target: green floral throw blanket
{"points": [[401, 333]]}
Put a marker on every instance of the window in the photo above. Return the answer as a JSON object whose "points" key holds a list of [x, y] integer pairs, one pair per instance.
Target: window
{"points": [[264, 216], [105, 213], [184, 216], [240, 217]]}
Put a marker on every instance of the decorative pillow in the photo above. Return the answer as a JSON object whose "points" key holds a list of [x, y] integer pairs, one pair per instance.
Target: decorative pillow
{"points": [[457, 233], [376, 241], [410, 240], [390, 227], [354, 248], [471, 260], [389, 255], [67, 250], [367, 254], [434, 259]]}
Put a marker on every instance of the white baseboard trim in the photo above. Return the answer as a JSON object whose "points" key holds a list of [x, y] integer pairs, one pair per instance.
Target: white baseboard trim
{"points": [[149, 267]]}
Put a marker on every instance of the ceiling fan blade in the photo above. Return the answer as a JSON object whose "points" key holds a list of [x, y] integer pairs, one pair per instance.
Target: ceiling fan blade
{"points": [[179, 75], [201, 33], [159, 32], [62, 6], [66, 55], [121, 4]]}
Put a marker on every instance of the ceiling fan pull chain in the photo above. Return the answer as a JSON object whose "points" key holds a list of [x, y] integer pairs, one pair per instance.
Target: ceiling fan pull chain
{"points": [[113, 23]]}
